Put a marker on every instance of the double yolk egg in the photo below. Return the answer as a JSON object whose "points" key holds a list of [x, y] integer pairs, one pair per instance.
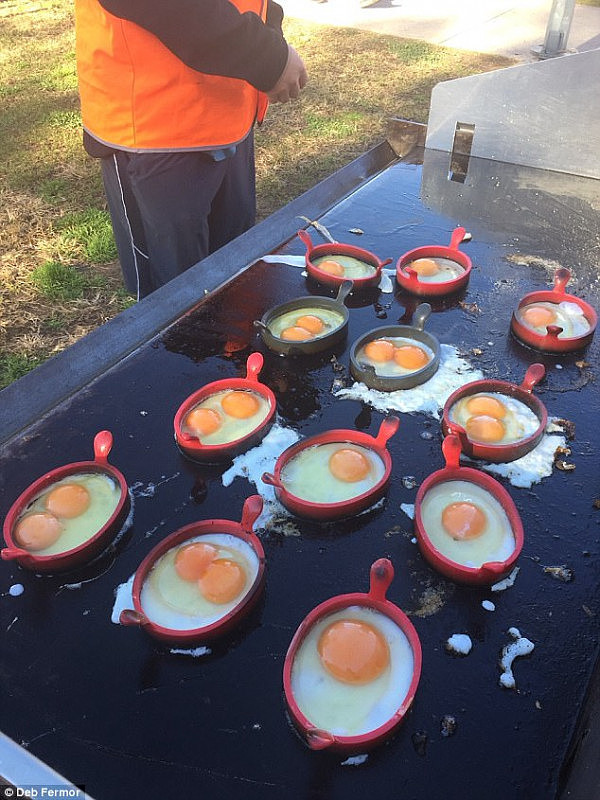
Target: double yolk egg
{"points": [[494, 418], [467, 524], [435, 270], [67, 514], [395, 356], [566, 315], [352, 671], [226, 416], [332, 473], [305, 324], [197, 583]]}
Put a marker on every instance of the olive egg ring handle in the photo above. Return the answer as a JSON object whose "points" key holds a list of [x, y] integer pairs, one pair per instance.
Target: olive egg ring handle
{"points": [[346, 287], [421, 315]]}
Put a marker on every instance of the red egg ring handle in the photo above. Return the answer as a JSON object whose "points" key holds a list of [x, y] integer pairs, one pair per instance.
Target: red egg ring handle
{"points": [[381, 576], [129, 616], [103, 442], [318, 739], [413, 276], [304, 237], [254, 365], [10, 553], [388, 428], [252, 510], [561, 278], [458, 234], [553, 332], [452, 446], [535, 373], [272, 480]]}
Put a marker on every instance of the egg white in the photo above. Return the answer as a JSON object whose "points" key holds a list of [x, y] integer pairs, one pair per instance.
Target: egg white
{"points": [[519, 421], [353, 267], [174, 603], [331, 319], [348, 709], [448, 270], [569, 316], [307, 475], [496, 542], [231, 428], [391, 368], [105, 494]]}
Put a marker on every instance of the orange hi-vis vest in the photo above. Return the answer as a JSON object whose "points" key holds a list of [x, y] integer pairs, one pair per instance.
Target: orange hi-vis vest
{"points": [[137, 96]]}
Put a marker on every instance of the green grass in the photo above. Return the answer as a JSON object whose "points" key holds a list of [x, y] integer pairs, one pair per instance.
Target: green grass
{"points": [[57, 281], [14, 366]]}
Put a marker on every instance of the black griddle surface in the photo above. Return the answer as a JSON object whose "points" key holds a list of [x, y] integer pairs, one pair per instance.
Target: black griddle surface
{"points": [[111, 708]]}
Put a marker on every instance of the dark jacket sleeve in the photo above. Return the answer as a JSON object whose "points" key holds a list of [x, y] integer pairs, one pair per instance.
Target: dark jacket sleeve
{"points": [[212, 36]]}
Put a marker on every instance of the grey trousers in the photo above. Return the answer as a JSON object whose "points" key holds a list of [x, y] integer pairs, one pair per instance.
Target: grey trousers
{"points": [[171, 210]]}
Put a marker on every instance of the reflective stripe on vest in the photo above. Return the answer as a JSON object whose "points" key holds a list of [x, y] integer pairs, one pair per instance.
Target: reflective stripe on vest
{"points": [[136, 95]]}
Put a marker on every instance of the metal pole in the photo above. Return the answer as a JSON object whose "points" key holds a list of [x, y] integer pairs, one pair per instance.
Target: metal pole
{"points": [[557, 31]]}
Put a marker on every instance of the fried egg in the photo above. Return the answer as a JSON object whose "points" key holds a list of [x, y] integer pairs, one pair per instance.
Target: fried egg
{"points": [[494, 418], [466, 523], [435, 270], [305, 324], [352, 671], [568, 316], [226, 416], [344, 266], [67, 513], [199, 582], [395, 355], [332, 473]]}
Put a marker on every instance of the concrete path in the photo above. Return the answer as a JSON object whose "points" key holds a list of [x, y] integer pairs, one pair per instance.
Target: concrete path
{"points": [[504, 27]]}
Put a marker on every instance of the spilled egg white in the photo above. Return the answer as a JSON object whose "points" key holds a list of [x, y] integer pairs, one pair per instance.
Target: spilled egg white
{"points": [[331, 320], [104, 496], [391, 368], [353, 267], [569, 316], [308, 476], [519, 420], [174, 603], [231, 428], [346, 709], [495, 543], [447, 269]]}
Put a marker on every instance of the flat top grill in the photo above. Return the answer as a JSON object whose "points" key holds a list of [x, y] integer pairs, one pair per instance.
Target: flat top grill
{"points": [[109, 707]]}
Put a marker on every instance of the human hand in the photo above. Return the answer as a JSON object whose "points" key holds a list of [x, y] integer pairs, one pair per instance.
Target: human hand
{"points": [[291, 81]]}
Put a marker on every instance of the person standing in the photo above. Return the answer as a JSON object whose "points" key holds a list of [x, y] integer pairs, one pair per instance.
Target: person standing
{"points": [[170, 93]]}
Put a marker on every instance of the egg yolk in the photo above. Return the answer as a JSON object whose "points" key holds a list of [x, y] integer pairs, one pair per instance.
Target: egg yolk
{"points": [[311, 323], [483, 428], [240, 404], [353, 651], [203, 421], [538, 316], [332, 268], [349, 465], [488, 406], [192, 560], [37, 531], [425, 266], [296, 333], [379, 350], [410, 356], [464, 520], [68, 501], [222, 581]]}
